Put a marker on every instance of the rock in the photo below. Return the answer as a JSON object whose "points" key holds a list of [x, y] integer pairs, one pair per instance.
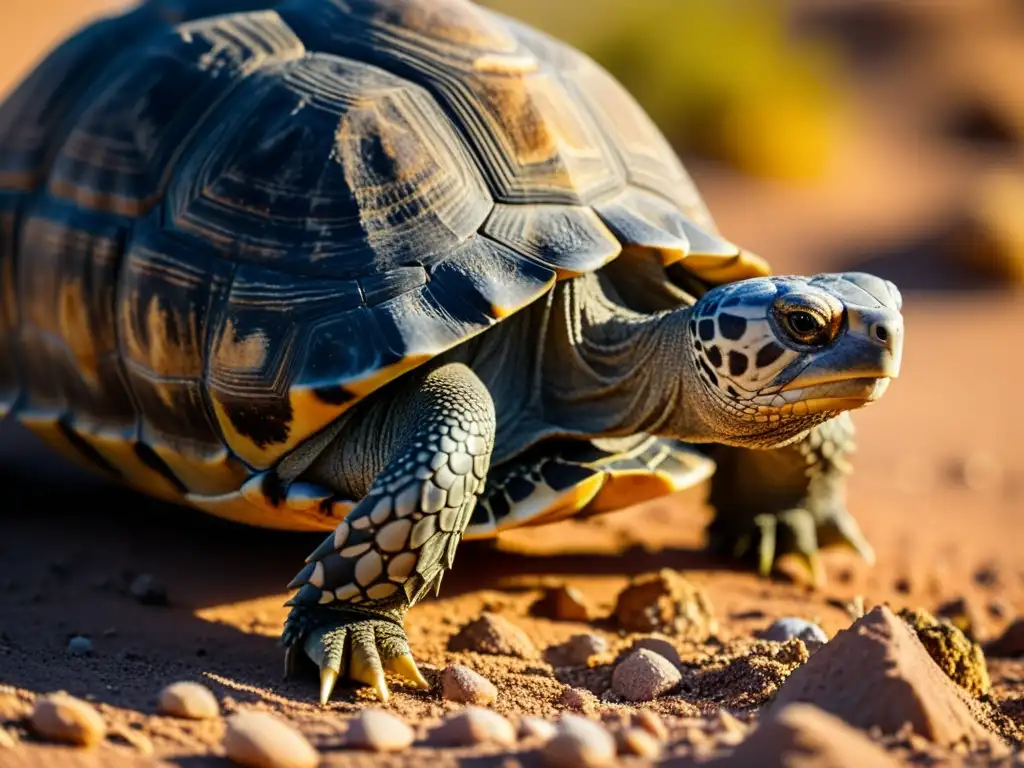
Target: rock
{"points": [[637, 741], [579, 743], [535, 728], [576, 651], [495, 635], [474, 725], [379, 731], [79, 646], [193, 701], [148, 591], [644, 675], [957, 656], [262, 740], [660, 646], [562, 603], [462, 684], [877, 674], [665, 602], [651, 723], [789, 627], [801, 734], [1010, 644], [68, 720]]}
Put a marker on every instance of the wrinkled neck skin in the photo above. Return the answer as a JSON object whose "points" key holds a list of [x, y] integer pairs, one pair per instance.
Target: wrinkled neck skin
{"points": [[611, 372]]}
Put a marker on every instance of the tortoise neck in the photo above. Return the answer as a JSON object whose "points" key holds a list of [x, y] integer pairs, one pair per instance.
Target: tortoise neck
{"points": [[611, 371]]}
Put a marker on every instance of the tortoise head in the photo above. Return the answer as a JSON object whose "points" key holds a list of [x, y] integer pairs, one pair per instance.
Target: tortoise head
{"points": [[778, 355]]}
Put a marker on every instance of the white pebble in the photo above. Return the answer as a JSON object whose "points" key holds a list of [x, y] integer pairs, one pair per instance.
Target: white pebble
{"points": [[579, 743], [378, 731], [65, 719], [789, 627], [187, 699], [462, 684], [261, 740], [474, 725]]}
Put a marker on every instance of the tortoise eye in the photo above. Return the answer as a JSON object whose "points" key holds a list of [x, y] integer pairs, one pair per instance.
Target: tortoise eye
{"points": [[806, 327]]}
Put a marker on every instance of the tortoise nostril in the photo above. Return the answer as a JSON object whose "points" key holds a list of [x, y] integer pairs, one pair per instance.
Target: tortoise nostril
{"points": [[882, 333]]}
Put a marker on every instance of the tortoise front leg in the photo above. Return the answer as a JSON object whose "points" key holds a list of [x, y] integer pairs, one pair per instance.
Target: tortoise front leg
{"points": [[789, 500], [435, 439]]}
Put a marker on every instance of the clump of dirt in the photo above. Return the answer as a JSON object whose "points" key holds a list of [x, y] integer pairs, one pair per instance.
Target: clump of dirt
{"points": [[668, 603], [877, 674], [950, 648], [749, 679]]}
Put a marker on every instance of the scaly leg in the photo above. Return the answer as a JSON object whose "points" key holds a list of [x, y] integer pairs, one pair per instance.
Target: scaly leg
{"points": [[435, 440], [790, 500]]}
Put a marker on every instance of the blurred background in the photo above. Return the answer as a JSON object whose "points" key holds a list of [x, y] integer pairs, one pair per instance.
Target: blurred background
{"points": [[837, 134]]}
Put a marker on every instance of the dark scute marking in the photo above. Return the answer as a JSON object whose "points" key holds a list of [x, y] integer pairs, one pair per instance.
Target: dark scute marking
{"points": [[698, 346], [561, 476], [500, 506], [265, 423], [711, 374], [732, 326], [338, 570], [715, 356], [272, 488], [89, 453], [333, 395], [707, 329], [518, 489], [693, 327], [732, 392], [737, 363], [768, 354], [151, 459], [709, 310]]}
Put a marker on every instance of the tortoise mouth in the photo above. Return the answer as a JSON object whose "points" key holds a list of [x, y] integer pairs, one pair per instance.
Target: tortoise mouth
{"points": [[842, 395]]}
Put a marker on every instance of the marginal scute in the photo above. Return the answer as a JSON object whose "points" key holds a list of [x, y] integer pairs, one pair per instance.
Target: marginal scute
{"points": [[569, 239], [643, 220]]}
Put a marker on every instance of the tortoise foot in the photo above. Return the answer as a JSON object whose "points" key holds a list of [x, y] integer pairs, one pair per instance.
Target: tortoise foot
{"points": [[352, 645], [801, 532]]}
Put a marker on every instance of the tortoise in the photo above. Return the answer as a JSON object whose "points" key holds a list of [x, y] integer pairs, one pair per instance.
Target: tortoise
{"points": [[407, 272]]}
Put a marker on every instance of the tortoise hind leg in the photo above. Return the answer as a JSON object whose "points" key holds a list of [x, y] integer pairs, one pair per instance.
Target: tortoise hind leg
{"points": [[789, 500], [435, 438]]}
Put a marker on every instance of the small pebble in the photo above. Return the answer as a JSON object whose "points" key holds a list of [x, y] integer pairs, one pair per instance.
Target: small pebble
{"points": [[474, 725], [579, 743], [660, 646], [789, 627], [536, 728], [644, 675], [562, 603], [462, 684], [65, 719], [379, 731], [637, 741], [261, 740], [495, 635], [577, 650], [187, 699], [652, 723], [148, 591], [79, 646]]}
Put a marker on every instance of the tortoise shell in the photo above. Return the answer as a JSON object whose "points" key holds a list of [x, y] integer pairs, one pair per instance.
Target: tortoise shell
{"points": [[253, 215]]}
